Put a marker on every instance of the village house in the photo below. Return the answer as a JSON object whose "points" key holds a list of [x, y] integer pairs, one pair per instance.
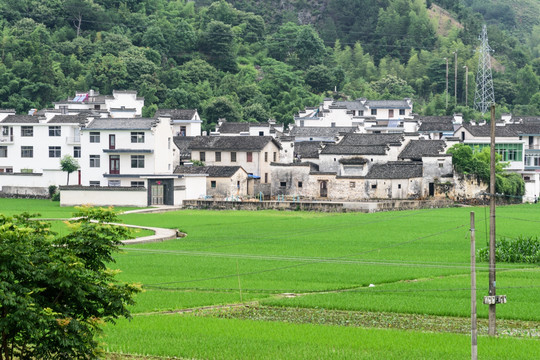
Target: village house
{"points": [[253, 153], [517, 140], [269, 128], [185, 122], [30, 151], [222, 182]]}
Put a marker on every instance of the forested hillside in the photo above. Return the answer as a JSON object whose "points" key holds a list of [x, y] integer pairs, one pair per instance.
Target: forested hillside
{"points": [[251, 60]]}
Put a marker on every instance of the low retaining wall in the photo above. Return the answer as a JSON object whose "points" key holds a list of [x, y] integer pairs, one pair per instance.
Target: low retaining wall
{"points": [[367, 207], [103, 196]]}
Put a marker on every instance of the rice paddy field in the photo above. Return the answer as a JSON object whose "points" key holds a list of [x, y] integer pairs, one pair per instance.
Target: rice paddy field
{"points": [[301, 285]]}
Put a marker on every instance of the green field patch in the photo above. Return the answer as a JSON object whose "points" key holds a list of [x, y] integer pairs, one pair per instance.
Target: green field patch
{"points": [[189, 336]]}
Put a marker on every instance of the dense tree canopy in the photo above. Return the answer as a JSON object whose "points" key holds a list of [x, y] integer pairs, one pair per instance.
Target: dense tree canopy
{"points": [[55, 292], [178, 53]]}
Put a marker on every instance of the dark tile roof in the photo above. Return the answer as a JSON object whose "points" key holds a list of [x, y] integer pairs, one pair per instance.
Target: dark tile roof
{"points": [[316, 131], [182, 143], [246, 143], [212, 171], [388, 104], [510, 130], [353, 161], [177, 114], [337, 149], [350, 105], [415, 149], [371, 139], [395, 170], [21, 119], [68, 119], [307, 149], [122, 124], [233, 127], [435, 123]]}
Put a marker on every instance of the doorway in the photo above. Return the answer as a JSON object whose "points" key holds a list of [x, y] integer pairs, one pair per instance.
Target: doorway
{"points": [[157, 195], [114, 164], [323, 188], [431, 189]]}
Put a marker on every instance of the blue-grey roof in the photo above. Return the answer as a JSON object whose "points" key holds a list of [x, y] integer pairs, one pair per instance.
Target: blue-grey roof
{"points": [[121, 124]]}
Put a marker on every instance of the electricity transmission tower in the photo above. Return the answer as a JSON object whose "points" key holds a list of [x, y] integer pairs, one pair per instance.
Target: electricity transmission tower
{"points": [[484, 96]]}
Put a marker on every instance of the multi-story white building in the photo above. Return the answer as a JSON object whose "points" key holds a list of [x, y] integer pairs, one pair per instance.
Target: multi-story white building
{"points": [[31, 148]]}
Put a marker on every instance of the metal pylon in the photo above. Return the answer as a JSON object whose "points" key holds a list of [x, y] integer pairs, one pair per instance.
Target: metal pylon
{"points": [[484, 95]]}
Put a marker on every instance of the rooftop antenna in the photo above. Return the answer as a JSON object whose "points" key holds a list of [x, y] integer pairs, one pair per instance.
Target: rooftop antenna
{"points": [[484, 96]]}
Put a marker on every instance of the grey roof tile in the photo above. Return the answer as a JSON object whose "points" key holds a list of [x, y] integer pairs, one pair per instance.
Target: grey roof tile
{"points": [[246, 143], [337, 149], [416, 149], [212, 171], [233, 127], [177, 114], [122, 124], [316, 131], [68, 119], [371, 139], [388, 104], [307, 149], [21, 119], [395, 170]]}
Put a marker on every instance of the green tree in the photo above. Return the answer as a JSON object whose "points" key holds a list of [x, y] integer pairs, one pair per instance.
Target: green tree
{"points": [[216, 42], [56, 292], [527, 84], [221, 107], [69, 164]]}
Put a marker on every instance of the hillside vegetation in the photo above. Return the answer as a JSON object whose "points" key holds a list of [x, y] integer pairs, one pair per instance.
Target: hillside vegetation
{"points": [[250, 60]]}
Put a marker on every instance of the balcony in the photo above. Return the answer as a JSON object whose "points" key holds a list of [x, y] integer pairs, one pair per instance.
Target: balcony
{"points": [[70, 140], [6, 139]]}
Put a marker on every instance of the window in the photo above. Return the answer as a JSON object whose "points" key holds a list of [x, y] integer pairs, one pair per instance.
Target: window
{"points": [[283, 184], [249, 156], [137, 161], [261, 133], [266, 177], [218, 156], [300, 184], [94, 161], [97, 107], [27, 151], [95, 183], [401, 111], [137, 184], [213, 184], [169, 143], [275, 156], [373, 111], [27, 131], [202, 156], [3, 151], [399, 186], [301, 123], [114, 183], [55, 131], [54, 151], [360, 112], [374, 186], [137, 137], [76, 151], [265, 156], [233, 156], [391, 113], [333, 124], [94, 137], [352, 184], [238, 184], [182, 131], [441, 165]]}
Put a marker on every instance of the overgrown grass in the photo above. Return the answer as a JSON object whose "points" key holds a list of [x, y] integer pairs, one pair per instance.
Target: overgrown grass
{"points": [[210, 338]]}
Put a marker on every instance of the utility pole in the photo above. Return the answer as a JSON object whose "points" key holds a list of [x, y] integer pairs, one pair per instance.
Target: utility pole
{"points": [[466, 85], [446, 82], [455, 78], [474, 332], [491, 314]]}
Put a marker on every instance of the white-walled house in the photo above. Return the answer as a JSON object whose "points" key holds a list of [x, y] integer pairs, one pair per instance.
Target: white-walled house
{"points": [[30, 151], [269, 128], [185, 122], [121, 104]]}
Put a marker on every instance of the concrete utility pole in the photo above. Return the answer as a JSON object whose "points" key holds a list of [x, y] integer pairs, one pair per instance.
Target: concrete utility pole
{"points": [[466, 84], [446, 82], [492, 291], [474, 340], [455, 78]]}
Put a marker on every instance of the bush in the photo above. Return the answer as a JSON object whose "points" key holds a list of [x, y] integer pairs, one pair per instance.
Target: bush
{"points": [[520, 250], [56, 196], [52, 190]]}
